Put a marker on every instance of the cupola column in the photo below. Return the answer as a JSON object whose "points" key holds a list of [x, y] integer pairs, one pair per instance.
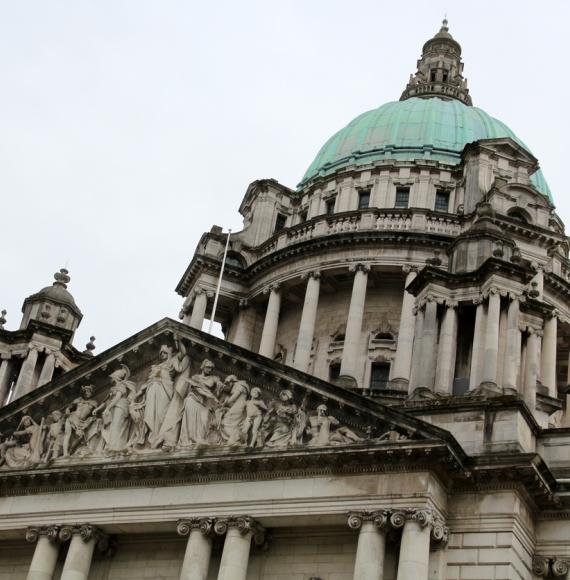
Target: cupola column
{"points": [[447, 349], [235, 556], [371, 548], [84, 539], [46, 553], [308, 319], [426, 369], [5, 377], [350, 365], [47, 369], [269, 334], [477, 347], [531, 367], [491, 356], [199, 308], [417, 350], [512, 362], [403, 360], [24, 384], [548, 358], [199, 547], [243, 334]]}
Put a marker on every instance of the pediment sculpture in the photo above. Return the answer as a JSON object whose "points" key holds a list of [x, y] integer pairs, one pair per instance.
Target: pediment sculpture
{"points": [[179, 404]]}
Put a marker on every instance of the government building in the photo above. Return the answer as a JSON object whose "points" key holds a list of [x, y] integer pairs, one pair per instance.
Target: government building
{"points": [[388, 402]]}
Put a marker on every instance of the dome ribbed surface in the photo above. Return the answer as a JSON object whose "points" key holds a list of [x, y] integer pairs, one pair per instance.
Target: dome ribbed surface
{"points": [[412, 129]]}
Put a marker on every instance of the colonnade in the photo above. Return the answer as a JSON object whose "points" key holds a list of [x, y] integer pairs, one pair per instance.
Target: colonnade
{"points": [[420, 529]]}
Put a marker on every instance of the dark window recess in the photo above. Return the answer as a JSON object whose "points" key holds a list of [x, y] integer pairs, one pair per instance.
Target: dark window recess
{"points": [[402, 197], [330, 206], [334, 372], [280, 222], [445, 76], [441, 201], [234, 261], [432, 74], [384, 336], [379, 376], [303, 217], [339, 338], [363, 199]]}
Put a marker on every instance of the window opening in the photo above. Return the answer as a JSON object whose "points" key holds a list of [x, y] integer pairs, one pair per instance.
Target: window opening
{"points": [[379, 376], [280, 222], [402, 197], [442, 201], [363, 199]]}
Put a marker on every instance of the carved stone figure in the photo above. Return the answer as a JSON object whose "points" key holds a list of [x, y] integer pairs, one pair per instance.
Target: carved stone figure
{"points": [[116, 416], [159, 388], [327, 430], [55, 435], [282, 421], [236, 411], [80, 425], [27, 444], [198, 406], [255, 409]]}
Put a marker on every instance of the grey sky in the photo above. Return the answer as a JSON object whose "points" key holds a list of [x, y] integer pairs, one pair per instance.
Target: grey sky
{"points": [[130, 127]]}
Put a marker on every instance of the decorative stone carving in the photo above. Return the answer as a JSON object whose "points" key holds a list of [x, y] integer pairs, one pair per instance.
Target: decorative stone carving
{"points": [[86, 532], [553, 566], [33, 533], [540, 566], [380, 518], [560, 567], [205, 525], [359, 268], [245, 525]]}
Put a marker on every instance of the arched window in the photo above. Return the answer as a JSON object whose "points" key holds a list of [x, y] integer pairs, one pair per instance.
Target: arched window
{"points": [[235, 260], [384, 336], [520, 215]]}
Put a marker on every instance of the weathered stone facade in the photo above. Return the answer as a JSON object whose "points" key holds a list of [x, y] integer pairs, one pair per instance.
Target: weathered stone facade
{"points": [[389, 402]]}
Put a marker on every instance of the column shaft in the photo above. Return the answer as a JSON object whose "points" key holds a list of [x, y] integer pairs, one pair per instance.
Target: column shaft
{"points": [[243, 335], [199, 310], [531, 369], [512, 361], [369, 564], [350, 364], [197, 556], [235, 556], [44, 559], [477, 348], [78, 561], [417, 350], [307, 326], [402, 368], [548, 358], [47, 370], [414, 552], [491, 356], [5, 379], [24, 384], [447, 351], [426, 369], [269, 334]]}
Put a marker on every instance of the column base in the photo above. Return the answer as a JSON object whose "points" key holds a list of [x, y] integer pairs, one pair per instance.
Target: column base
{"points": [[488, 388]]}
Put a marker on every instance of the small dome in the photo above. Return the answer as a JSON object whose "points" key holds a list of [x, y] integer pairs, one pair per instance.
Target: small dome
{"points": [[57, 293], [416, 128]]}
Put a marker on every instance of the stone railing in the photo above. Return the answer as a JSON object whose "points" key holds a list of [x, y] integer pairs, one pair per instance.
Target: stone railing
{"points": [[365, 220]]}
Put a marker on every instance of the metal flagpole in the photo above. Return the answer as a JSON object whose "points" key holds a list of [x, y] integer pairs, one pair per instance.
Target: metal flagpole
{"points": [[219, 284]]}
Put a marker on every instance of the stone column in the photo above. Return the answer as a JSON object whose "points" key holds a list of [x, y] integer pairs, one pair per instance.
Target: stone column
{"points": [[47, 369], [5, 379], [83, 541], [45, 555], [426, 369], [350, 366], [235, 556], [199, 547], [512, 361], [531, 367], [199, 308], [24, 384], [243, 333], [308, 319], [477, 348], [491, 353], [419, 528], [269, 334], [402, 368], [371, 548], [447, 349], [417, 350], [548, 358]]}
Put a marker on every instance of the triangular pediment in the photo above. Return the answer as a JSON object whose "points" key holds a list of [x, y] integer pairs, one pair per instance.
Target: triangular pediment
{"points": [[173, 400]]}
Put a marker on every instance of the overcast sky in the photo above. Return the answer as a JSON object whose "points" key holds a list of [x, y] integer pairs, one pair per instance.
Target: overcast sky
{"points": [[128, 128]]}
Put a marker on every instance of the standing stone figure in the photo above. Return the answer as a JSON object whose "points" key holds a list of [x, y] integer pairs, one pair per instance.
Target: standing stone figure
{"points": [[81, 424], [281, 422], [55, 428], [234, 416], [255, 408]]}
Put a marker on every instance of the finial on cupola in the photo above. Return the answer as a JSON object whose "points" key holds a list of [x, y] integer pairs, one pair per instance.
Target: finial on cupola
{"points": [[90, 346], [2, 319], [62, 278]]}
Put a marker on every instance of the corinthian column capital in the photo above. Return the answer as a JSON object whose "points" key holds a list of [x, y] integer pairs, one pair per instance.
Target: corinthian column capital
{"points": [[275, 287], [359, 268], [315, 274], [33, 533], [407, 268], [379, 518], [205, 525]]}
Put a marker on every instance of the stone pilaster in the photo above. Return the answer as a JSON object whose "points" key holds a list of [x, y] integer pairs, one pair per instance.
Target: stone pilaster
{"points": [[401, 371], [512, 361], [426, 369], [199, 547], [447, 349], [308, 320], [531, 367], [84, 539], [478, 342], [548, 357], [240, 531], [24, 384], [269, 334], [371, 548], [491, 349], [5, 376], [350, 364], [45, 556]]}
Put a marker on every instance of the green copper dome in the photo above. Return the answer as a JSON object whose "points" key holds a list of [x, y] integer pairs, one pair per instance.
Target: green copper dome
{"points": [[416, 128]]}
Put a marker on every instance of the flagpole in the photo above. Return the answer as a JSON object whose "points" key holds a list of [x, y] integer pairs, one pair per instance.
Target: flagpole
{"points": [[219, 283]]}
